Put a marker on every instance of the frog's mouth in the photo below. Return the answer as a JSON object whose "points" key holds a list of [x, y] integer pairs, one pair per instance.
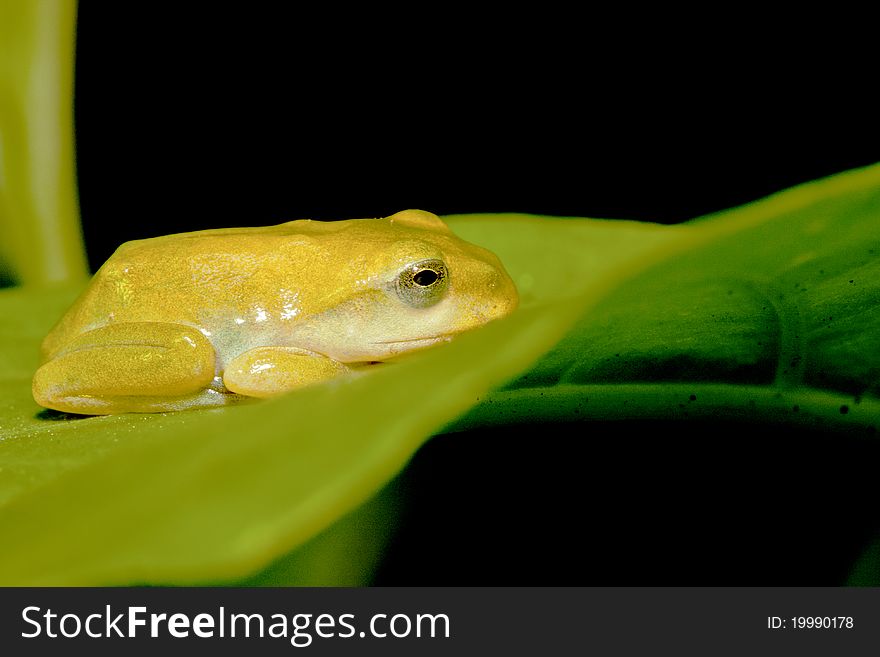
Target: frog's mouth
{"points": [[393, 348]]}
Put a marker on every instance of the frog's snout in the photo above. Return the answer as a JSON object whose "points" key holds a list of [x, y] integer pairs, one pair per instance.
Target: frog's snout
{"points": [[505, 306], [501, 297]]}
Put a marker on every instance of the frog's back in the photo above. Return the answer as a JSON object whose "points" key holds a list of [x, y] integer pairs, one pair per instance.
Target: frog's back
{"points": [[186, 278]]}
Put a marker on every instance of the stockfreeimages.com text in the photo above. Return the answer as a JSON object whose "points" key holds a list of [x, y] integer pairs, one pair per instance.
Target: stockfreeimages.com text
{"points": [[300, 629]]}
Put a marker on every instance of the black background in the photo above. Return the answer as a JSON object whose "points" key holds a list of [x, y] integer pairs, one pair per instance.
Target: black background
{"points": [[191, 117]]}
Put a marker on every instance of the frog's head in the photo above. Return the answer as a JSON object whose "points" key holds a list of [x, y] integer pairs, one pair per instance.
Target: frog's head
{"points": [[417, 285]]}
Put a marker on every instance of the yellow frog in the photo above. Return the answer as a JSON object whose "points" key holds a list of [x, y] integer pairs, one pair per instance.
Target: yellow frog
{"points": [[206, 318]]}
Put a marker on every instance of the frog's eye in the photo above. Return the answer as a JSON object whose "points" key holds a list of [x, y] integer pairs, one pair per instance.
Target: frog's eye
{"points": [[423, 283]]}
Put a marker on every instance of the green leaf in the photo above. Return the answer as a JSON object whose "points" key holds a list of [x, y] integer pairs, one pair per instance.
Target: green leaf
{"points": [[774, 316], [218, 495]]}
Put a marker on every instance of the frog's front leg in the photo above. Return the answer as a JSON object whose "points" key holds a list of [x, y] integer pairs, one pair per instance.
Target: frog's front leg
{"points": [[125, 367], [268, 371]]}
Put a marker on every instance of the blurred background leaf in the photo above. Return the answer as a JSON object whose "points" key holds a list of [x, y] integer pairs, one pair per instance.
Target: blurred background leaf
{"points": [[40, 236]]}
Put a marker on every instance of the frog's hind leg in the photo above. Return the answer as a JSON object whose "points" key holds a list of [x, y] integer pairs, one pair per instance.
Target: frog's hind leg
{"points": [[130, 367]]}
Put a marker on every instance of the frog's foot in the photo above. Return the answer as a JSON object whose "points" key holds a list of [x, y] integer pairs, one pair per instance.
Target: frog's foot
{"points": [[130, 367], [268, 371]]}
